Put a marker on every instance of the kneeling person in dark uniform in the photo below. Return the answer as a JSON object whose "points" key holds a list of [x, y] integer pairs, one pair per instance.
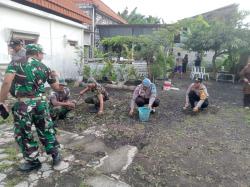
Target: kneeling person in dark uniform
{"points": [[99, 97], [60, 103], [196, 93]]}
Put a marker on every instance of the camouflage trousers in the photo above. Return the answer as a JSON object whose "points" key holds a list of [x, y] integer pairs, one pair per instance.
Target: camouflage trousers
{"points": [[25, 115], [58, 112], [93, 100]]}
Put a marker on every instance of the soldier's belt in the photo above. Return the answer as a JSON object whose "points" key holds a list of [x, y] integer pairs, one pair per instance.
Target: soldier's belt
{"points": [[24, 99]]}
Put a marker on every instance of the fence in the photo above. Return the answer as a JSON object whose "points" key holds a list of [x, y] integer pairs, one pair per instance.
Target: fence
{"points": [[141, 67]]}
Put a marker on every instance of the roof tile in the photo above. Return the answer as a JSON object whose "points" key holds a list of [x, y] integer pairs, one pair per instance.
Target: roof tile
{"points": [[103, 8], [64, 7]]}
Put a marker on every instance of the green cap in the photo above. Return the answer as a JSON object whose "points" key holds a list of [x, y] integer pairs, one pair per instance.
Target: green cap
{"points": [[62, 82], [34, 47]]}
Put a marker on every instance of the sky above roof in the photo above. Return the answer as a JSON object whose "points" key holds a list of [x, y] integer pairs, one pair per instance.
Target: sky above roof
{"points": [[173, 10]]}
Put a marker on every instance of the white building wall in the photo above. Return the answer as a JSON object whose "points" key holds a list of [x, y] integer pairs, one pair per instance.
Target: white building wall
{"points": [[53, 36]]}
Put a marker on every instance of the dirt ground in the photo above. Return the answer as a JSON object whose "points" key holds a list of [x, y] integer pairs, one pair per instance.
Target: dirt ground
{"points": [[177, 148]]}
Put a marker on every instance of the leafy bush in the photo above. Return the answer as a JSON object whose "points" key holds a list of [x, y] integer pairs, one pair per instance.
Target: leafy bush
{"points": [[108, 71], [86, 71], [162, 65], [132, 73], [79, 60]]}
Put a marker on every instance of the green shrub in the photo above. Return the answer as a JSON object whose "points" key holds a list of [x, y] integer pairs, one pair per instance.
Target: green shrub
{"points": [[86, 71], [108, 71]]}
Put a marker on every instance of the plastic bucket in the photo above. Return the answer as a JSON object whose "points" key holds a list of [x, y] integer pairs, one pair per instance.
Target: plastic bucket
{"points": [[144, 113], [167, 85]]}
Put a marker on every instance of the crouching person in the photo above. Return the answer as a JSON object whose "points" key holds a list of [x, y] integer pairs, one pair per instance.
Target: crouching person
{"points": [[144, 93], [196, 96], [99, 97], [60, 103]]}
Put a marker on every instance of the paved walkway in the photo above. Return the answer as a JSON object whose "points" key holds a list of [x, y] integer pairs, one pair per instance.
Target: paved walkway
{"points": [[89, 142]]}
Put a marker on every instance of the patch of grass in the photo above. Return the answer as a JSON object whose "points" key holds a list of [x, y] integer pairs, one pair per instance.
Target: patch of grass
{"points": [[247, 117], [90, 172], [14, 181], [81, 126], [83, 184], [8, 121], [4, 167], [12, 152]]}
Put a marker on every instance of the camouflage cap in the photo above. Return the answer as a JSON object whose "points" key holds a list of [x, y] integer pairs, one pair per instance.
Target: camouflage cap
{"points": [[34, 47]]}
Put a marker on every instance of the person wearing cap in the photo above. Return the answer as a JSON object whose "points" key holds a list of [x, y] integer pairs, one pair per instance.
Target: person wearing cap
{"points": [[144, 93], [196, 93], [60, 103], [19, 52], [99, 97], [31, 107]]}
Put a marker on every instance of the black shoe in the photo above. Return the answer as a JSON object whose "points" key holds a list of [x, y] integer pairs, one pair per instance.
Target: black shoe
{"points": [[29, 166], [57, 158]]}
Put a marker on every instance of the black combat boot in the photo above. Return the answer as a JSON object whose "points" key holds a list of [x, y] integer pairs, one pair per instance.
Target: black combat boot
{"points": [[29, 166], [57, 158]]}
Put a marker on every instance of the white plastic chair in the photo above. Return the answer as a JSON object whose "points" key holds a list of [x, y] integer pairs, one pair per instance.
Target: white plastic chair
{"points": [[195, 72], [204, 75]]}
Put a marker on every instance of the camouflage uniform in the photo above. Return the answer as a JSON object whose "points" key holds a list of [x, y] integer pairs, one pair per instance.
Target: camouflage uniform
{"points": [[32, 107], [59, 111], [99, 89]]}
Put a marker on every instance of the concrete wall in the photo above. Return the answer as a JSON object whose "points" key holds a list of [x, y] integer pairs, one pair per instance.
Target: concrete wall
{"points": [[54, 35]]}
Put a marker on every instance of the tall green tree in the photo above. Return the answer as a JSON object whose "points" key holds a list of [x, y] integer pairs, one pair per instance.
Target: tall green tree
{"points": [[224, 37], [134, 17]]}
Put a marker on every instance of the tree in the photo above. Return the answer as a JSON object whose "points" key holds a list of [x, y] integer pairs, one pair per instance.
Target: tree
{"points": [[136, 18], [146, 47], [221, 36]]}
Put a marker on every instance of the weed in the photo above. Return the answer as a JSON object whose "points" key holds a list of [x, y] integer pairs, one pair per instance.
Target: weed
{"points": [[4, 167], [12, 152], [8, 121], [14, 181], [83, 184]]}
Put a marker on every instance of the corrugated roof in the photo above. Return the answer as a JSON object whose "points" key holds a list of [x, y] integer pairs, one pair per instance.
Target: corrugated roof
{"points": [[103, 8], [66, 8]]}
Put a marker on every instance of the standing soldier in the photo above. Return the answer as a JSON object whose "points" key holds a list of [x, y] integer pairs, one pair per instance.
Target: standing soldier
{"points": [[18, 51], [31, 106]]}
